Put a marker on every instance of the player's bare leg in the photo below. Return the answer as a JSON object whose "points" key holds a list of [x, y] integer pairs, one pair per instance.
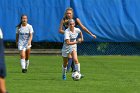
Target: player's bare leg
{"points": [[77, 64], [2, 85], [64, 67]]}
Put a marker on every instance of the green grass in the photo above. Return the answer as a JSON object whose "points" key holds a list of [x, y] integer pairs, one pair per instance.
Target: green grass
{"points": [[103, 74]]}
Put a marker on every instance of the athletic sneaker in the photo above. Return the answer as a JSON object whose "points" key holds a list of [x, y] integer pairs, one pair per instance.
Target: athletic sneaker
{"points": [[82, 76], [64, 77], [24, 70], [73, 70]]}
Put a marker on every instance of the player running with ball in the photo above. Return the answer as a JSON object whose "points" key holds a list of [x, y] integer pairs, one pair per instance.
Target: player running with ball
{"points": [[69, 14], [70, 46], [24, 35]]}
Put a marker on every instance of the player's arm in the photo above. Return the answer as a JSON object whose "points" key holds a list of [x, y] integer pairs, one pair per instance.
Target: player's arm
{"points": [[30, 35], [81, 36], [71, 43], [61, 27], [84, 28], [17, 37], [30, 39]]}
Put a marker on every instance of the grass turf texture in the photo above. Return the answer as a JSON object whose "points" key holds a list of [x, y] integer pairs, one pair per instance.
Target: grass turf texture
{"points": [[103, 74]]}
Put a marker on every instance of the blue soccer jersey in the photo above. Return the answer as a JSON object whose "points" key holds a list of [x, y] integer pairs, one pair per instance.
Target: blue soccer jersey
{"points": [[2, 64], [1, 48]]}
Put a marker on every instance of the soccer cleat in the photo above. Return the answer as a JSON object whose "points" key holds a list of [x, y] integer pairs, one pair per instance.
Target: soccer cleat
{"points": [[64, 77], [82, 76], [24, 70], [73, 70]]}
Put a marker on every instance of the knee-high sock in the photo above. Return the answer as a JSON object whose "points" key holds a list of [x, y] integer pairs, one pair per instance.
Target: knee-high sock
{"points": [[23, 64], [69, 63], [73, 65], [77, 67], [64, 70], [27, 64]]}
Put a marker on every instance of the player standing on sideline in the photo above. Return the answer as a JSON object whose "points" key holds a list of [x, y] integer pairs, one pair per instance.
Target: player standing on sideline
{"points": [[2, 66], [64, 23], [70, 46], [24, 35]]}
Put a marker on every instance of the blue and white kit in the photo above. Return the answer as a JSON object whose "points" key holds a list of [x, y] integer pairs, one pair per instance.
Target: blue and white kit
{"points": [[72, 37]]}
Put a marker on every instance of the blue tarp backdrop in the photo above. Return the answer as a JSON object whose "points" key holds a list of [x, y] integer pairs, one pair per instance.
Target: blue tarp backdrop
{"points": [[110, 20]]}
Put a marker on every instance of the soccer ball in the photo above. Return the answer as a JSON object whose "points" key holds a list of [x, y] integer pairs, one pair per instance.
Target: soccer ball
{"points": [[76, 76]]}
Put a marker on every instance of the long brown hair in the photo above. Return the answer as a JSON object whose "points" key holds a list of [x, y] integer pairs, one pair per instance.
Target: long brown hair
{"points": [[20, 21]]}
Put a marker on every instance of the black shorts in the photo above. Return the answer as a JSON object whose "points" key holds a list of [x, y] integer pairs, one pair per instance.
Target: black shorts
{"points": [[2, 71]]}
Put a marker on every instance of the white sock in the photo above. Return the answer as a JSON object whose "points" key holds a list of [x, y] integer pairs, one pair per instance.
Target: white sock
{"points": [[77, 67], [64, 70], [27, 64], [23, 64]]}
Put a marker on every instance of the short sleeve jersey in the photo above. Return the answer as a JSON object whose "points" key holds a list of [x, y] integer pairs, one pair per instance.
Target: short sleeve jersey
{"points": [[72, 37], [24, 34]]}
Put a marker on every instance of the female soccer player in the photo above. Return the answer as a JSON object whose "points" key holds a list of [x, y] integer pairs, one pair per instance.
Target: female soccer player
{"points": [[70, 46], [2, 66], [24, 35], [64, 23]]}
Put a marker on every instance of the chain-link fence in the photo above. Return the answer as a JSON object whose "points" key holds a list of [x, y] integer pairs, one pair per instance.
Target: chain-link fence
{"points": [[109, 48], [90, 48]]}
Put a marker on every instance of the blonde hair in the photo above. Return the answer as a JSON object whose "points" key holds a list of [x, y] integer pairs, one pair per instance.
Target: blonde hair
{"points": [[68, 9], [71, 20]]}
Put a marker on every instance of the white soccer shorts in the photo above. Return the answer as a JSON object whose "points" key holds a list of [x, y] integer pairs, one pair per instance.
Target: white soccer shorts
{"points": [[24, 48]]}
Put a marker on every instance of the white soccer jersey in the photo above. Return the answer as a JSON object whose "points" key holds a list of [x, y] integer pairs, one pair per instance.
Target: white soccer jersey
{"points": [[24, 35], [72, 37]]}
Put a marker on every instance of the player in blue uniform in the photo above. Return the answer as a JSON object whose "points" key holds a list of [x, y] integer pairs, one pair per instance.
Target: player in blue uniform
{"points": [[2, 66]]}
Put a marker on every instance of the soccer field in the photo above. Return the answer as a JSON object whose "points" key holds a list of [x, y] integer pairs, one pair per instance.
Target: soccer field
{"points": [[103, 74]]}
